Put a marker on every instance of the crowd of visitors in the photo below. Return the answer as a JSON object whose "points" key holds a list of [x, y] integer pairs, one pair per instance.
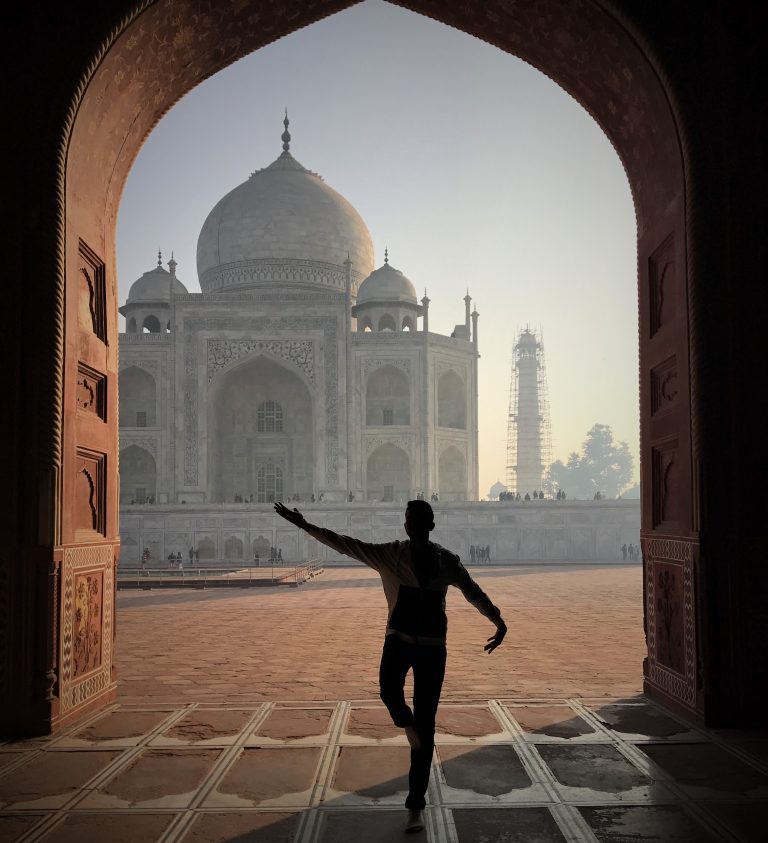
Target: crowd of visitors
{"points": [[479, 553], [630, 552], [513, 497]]}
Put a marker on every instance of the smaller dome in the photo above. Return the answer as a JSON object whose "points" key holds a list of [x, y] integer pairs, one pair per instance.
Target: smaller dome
{"points": [[155, 285], [386, 284]]}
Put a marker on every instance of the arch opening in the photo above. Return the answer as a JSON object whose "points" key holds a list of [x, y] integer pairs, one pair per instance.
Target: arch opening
{"points": [[138, 476], [260, 442], [151, 325], [138, 398], [452, 475], [388, 474], [451, 401], [387, 323], [621, 90], [387, 398]]}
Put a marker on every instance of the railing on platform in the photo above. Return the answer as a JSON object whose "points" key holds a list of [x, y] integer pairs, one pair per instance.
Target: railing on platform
{"points": [[194, 576]]}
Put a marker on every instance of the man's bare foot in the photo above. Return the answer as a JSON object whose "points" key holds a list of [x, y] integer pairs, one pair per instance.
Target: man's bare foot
{"points": [[413, 737], [415, 822]]}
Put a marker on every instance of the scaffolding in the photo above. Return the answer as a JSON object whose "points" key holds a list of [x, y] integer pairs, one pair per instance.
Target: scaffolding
{"points": [[529, 433]]}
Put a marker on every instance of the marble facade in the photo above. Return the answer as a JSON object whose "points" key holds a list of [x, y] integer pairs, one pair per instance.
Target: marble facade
{"points": [[569, 531]]}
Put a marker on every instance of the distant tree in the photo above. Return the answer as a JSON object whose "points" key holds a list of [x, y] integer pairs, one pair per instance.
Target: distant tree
{"points": [[603, 466]]}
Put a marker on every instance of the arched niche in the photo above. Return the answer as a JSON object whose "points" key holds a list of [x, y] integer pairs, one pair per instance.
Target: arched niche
{"points": [[388, 474], [451, 401], [260, 547], [387, 323], [407, 324], [151, 325], [259, 413], [452, 475], [387, 397], [138, 475], [130, 325], [206, 548], [233, 548], [138, 398]]}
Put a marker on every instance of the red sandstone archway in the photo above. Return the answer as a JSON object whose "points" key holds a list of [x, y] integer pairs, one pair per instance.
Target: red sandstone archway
{"points": [[161, 50]]}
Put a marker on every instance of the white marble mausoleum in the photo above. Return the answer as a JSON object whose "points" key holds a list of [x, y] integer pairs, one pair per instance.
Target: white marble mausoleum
{"points": [[300, 369]]}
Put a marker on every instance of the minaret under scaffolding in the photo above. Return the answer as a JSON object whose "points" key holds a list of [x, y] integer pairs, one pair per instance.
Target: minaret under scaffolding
{"points": [[528, 425]]}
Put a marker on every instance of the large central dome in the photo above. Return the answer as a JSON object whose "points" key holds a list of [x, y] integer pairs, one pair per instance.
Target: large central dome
{"points": [[282, 227]]}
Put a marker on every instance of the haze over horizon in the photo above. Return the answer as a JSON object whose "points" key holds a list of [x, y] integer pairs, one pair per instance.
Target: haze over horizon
{"points": [[473, 168]]}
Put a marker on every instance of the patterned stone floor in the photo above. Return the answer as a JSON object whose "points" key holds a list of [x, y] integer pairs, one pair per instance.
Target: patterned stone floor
{"points": [[252, 716], [504, 771]]}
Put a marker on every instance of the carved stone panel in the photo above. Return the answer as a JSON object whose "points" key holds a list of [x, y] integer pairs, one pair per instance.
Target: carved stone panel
{"points": [[370, 364], [86, 635], [668, 590], [671, 621], [86, 623], [300, 353], [662, 279], [91, 391], [666, 486], [664, 386], [91, 302], [89, 504]]}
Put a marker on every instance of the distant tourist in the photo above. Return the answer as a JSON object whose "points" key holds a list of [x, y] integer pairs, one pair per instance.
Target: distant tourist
{"points": [[535, 495], [178, 559], [191, 554], [624, 552], [415, 574], [321, 498], [527, 496], [471, 553]]}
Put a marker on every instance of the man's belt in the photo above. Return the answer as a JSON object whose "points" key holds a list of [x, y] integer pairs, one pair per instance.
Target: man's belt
{"points": [[416, 639]]}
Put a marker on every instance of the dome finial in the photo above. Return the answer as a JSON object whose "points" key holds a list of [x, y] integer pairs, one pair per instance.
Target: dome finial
{"points": [[386, 255], [159, 258], [286, 136]]}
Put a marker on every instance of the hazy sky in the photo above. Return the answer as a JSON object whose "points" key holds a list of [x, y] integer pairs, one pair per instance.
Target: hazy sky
{"points": [[472, 167]]}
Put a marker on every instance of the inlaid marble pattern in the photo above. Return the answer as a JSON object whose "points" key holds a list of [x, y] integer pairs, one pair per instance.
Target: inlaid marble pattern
{"points": [[504, 771]]}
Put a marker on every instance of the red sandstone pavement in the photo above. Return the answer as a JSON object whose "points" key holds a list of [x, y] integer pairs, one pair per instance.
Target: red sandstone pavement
{"points": [[573, 632]]}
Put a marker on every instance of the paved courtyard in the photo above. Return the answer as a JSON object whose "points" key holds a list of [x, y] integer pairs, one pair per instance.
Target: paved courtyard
{"points": [[254, 718], [572, 632]]}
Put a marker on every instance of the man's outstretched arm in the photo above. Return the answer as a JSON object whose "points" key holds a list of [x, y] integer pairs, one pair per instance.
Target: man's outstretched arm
{"points": [[376, 556], [480, 600]]}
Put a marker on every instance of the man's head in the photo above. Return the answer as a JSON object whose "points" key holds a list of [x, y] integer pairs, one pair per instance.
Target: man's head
{"points": [[419, 520]]}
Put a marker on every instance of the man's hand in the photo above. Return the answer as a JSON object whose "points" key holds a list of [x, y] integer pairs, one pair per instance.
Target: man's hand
{"points": [[495, 640], [294, 517]]}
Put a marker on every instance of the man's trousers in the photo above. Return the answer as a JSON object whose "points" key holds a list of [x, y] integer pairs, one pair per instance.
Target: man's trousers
{"points": [[428, 664]]}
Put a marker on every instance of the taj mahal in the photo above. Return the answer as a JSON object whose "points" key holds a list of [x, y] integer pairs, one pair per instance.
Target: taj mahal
{"points": [[300, 372]]}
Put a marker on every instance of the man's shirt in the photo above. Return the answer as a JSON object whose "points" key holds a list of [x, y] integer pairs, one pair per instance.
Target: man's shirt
{"points": [[415, 588]]}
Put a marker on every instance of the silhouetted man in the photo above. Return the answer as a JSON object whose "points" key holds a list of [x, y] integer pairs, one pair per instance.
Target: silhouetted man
{"points": [[415, 574]]}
